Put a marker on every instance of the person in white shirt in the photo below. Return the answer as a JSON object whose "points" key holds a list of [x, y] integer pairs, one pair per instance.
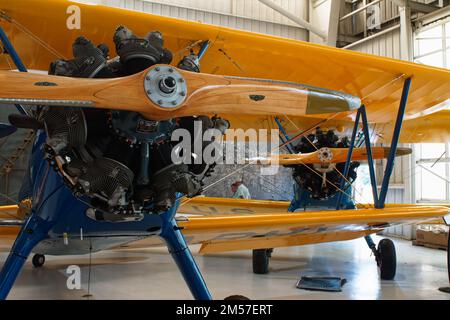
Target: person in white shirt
{"points": [[240, 191]]}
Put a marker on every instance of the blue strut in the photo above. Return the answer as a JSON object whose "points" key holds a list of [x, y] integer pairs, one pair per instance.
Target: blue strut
{"points": [[286, 137], [348, 161], [33, 231], [203, 48], [16, 59], [181, 254], [394, 143]]}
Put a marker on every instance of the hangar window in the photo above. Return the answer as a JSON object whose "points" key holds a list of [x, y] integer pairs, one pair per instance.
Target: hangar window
{"points": [[431, 45], [432, 172], [431, 167]]}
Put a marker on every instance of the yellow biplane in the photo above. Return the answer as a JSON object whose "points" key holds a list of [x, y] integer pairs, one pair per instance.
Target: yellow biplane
{"points": [[101, 173]]}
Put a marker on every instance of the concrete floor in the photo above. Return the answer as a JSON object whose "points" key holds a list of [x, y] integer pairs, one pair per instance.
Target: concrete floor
{"points": [[151, 274]]}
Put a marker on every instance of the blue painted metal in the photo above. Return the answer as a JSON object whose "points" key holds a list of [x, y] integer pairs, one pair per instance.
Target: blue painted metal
{"points": [[373, 180], [370, 242], [286, 136], [203, 48], [182, 256], [56, 211], [16, 59], [302, 200], [11, 51], [394, 143], [6, 130], [34, 231], [348, 161]]}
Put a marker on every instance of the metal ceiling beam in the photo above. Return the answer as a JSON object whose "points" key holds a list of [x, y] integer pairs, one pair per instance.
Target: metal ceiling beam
{"points": [[422, 7], [294, 18]]}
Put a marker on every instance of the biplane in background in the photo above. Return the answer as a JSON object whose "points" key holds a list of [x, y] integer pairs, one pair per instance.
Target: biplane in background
{"points": [[100, 172]]}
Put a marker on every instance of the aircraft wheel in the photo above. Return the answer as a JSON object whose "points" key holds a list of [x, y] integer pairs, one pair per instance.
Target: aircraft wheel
{"points": [[236, 297], [38, 260], [261, 260], [387, 259], [448, 257], [447, 289]]}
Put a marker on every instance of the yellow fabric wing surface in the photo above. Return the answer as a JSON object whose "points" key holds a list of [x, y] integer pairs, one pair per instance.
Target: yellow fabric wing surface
{"points": [[10, 212], [8, 233], [377, 80], [219, 233], [221, 224]]}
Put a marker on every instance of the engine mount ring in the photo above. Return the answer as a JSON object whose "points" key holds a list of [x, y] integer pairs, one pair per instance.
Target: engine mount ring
{"points": [[165, 87]]}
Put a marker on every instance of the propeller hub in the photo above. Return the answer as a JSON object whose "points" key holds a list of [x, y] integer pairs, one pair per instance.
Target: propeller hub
{"points": [[165, 87], [167, 84], [325, 154]]}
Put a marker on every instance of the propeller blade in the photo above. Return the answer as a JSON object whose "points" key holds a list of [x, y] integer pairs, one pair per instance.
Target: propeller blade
{"points": [[162, 92], [327, 156], [25, 121], [6, 130]]}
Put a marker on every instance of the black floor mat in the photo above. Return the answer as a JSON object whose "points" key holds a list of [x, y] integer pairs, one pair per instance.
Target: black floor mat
{"points": [[333, 284]]}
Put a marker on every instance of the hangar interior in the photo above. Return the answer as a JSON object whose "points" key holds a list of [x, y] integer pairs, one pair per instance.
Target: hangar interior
{"points": [[408, 30]]}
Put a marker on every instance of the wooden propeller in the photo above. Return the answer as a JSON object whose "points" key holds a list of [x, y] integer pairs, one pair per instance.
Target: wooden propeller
{"points": [[327, 156], [163, 92]]}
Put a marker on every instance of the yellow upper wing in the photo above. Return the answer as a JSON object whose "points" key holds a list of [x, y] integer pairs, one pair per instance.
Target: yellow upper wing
{"points": [[378, 81]]}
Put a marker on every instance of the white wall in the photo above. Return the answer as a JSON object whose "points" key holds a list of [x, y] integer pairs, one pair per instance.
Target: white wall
{"points": [[387, 45]]}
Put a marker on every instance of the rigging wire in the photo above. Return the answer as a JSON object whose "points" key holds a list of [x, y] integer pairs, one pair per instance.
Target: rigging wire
{"points": [[36, 38]]}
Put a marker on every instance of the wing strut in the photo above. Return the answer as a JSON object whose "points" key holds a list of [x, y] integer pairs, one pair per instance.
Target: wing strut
{"points": [[379, 201], [8, 47]]}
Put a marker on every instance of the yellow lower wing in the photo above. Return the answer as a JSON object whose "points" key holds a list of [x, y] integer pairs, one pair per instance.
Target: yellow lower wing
{"points": [[10, 212], [8, 232], [218, 233], [222, 224]]}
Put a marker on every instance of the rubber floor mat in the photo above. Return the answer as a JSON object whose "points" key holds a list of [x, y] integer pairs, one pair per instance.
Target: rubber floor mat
{"points": [[321, 283]]}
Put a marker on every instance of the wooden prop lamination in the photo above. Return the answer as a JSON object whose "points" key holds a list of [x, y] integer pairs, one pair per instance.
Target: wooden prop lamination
{"points": [[327, 156], [206, 95]]}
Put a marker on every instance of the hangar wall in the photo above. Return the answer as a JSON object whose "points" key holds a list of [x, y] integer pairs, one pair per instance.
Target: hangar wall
{"points": [[387, 45], [248, 15]]}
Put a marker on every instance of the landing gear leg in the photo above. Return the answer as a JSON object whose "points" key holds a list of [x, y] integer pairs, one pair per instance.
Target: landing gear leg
{"points": [[33, 231], [261, 258], [385, 257], [182, 256]]}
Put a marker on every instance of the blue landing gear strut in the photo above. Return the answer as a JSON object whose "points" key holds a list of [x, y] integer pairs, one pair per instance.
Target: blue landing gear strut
{"points": [[182, 256], [33, 231]]}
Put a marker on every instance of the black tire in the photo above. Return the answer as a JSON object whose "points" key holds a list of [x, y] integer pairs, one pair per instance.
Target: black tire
{"points": [[236, 297], [448, 257], [38, 260], [261, 261], [387, 259]]}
